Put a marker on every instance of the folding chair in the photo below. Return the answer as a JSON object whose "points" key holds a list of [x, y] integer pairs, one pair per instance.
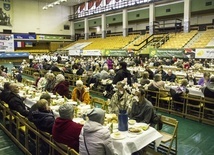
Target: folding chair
{"points": [[169, 132], [164, 100], [193, 107], [208, 111], [152, 96], [73, 152]]}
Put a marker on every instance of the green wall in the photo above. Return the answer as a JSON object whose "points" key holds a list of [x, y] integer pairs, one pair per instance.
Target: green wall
{"points": [[200, 5], [79, 25], [94, 22], [114, 19], [177, 8], [140, 14]]}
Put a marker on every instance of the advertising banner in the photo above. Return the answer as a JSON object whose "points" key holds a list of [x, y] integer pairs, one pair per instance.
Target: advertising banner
{"points": [[74, 52], [114, 52], [5, 12], [46, 37], [207, 53], [91, 53], [24, 36], [164, 53], [6, 43], [14, 55]]}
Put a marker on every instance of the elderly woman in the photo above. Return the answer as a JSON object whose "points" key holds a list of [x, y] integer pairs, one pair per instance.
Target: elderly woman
{"points": [[81, 93], [51, 80], [65, 130], [204, 80], [157, 84], [145, 79], [15, 101], [61, 86], [94, 138]]}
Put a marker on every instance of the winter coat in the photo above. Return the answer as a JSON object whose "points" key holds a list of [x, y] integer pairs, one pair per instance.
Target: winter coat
{"points": [[97, 139], [67, 132], [83, 96], [16, 103], [43, 120], [62, 89]]}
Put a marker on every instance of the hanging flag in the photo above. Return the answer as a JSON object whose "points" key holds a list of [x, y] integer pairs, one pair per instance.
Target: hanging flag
{"points": [[20, 44]]}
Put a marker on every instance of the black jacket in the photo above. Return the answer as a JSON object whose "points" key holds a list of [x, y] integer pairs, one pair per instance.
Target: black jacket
{"points": [[16, 103], [43, 120], [121, 74]]}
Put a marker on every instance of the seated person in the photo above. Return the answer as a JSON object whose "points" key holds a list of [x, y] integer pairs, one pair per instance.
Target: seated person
{"points": [[209, 89], [65, 130], [204, 80], [170, 76], [81, 93], [5, 92], [119, 100], [51, 80], [145, 79], [43, 118], [176, 93], [15, 101], [142, 109], [34, 107], [192, 80], [61, 86], [161, 72], [157, 84], [36, 77], [94, 138]]}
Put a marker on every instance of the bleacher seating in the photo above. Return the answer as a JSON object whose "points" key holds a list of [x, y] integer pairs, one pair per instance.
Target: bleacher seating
{"points": [[179, 40], [204, 39]]}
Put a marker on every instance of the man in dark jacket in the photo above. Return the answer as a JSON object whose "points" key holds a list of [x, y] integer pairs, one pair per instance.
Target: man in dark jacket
{"points": [[15, 101], [122, 73], [209, 90], [169, 76], [142, 109], [5, 92]]}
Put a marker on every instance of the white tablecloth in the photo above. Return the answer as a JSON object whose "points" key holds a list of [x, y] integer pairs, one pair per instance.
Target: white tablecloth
{"points": [[135, 142]]}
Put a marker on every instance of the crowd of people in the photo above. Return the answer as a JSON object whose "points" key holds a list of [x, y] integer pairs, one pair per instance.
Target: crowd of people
{"points": [[93, 137]]}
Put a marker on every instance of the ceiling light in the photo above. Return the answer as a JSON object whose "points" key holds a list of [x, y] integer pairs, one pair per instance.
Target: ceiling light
{"points": [[45, 8], [56, 3], [63, 0], [50, 5]]}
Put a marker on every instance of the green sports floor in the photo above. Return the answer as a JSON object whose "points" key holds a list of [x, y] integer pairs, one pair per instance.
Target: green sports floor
{"points": [[194, 138]]}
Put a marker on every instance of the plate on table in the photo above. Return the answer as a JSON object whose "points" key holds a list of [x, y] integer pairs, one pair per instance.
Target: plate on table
{"points": [[118, 135], [135, 130]]}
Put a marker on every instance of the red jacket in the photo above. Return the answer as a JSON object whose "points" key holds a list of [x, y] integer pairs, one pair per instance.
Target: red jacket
{"points": [[67, 132], [62, 89]]}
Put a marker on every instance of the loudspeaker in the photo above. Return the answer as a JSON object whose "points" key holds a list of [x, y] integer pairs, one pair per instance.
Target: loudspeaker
{"points": [[7, 31], [66, 27], [202, 28], [130, 29], [213, 22], [108, 32], [178, 25], [147, 28]]}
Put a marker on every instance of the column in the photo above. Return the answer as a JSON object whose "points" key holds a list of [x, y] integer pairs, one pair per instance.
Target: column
{"points": [[186, 16], [151, 18], [86, 29], [125, 23], [103, 26], [72, 30]]}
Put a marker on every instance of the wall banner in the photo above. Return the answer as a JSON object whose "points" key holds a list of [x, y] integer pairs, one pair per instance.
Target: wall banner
{"points": [[6, 43], [91, 53], [5, 12], [167, 53], [24, 36], [114, 52], [207, 53], [74, 52]]}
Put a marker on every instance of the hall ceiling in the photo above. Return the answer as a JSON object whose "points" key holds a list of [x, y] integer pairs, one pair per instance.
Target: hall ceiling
{"points": [[68, 3]]}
